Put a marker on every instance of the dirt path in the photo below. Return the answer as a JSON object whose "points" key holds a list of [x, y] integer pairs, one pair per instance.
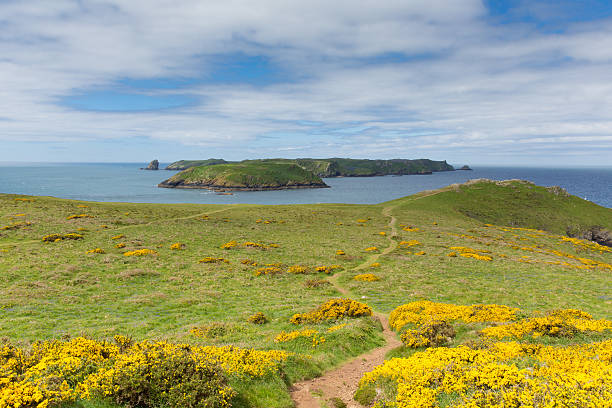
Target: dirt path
{"points": [[342, 382]]}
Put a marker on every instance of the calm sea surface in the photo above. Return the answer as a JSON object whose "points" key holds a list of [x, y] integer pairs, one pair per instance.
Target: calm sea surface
{"points": [[125, 182]]}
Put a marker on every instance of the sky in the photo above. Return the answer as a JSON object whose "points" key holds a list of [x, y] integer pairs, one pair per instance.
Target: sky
{"points": [[479, 82]]}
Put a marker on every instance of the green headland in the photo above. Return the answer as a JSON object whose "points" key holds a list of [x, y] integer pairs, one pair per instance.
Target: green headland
{"points": [[251, 176], [108, 305], [338, 167]]}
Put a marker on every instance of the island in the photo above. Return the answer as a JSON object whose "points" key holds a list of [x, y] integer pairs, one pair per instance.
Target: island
{"points": [[245, 176], [153, 165], [339, 167], [185, 164], [466, 167]]}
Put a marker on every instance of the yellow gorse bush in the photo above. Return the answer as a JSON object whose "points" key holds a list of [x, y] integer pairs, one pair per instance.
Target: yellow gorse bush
{"points": [[52, 372], [15, 225], [177, 246], [571, 376], [406, 244], [268, 270], [328, 269], [467, 252], [61, 237], [75, 216], [297, 269], [248, 244], [370, 249], [140, 252], [312, 334], [366, 277], [558, 323], [336, 327], [116, 237], [212, 259], [333, 309], [258, 318], [96, 251], [424, 310], [584, 244]]}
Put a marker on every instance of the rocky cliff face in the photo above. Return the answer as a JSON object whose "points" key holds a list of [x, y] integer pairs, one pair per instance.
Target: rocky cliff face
{"points": [[154, 165]]}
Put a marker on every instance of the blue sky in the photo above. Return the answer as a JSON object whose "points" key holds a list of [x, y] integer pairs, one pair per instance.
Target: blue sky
{"points": [[481, 82]]}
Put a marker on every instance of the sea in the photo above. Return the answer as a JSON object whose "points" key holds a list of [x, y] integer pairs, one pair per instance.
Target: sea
{"points": [[125, 182]]}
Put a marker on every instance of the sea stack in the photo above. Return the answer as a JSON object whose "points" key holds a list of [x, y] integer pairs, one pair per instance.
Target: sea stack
{"points": [[466, 167], [154, 165]]}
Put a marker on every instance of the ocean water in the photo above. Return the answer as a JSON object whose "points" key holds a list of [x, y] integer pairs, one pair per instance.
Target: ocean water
{"points": [[124, 182]]}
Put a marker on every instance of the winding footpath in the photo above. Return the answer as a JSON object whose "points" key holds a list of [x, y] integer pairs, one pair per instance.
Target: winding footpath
{"points": [[342, 382]]}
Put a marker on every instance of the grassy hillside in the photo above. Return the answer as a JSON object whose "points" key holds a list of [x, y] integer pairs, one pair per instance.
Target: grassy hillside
{"points": [[517, 204], [185, 164], [196, 274], [245, 176], [338, 167]]}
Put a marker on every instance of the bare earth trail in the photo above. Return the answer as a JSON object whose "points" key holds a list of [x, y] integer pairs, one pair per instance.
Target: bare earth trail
{"points": [[342, 381]]}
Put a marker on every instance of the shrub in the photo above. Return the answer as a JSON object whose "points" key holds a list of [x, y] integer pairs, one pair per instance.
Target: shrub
{"points": [[60, 237], [155, 375], [315, 283], [297, 269], [140, 252], [258, 318], [75, 216], [333, 309], [432, 333], [366, 277]]}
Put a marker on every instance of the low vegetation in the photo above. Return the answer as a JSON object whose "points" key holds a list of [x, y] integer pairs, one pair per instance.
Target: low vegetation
{"points": [[91, 306], [245, 176]]}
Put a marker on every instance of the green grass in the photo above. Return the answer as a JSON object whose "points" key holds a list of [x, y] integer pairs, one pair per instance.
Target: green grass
{"points": [[54, 290], [255, 175], [337, 167], [184, 164]]}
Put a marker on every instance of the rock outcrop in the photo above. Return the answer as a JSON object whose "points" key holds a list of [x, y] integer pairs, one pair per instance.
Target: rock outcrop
{"points": [[154, 165]]}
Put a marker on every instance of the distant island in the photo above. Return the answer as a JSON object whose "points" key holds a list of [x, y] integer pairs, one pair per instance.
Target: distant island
{"points": [[245, 176], [339, 167], [153, 165]]}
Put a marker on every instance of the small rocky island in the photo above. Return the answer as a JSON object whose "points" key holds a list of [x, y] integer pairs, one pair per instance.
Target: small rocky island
{"points": [[252, 176], [153, 165], [466, 167]]}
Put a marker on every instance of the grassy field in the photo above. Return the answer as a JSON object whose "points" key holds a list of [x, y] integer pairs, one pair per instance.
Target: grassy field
{"points": [[60, 290], [246, 175]]}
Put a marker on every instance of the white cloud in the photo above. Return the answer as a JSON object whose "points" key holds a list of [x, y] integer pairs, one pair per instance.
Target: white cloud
{"points": [[477, 88]]}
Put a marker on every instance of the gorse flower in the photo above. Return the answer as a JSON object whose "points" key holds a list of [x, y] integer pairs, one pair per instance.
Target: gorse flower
{"points": [[333, 309], [140, 252], [366, 277]]}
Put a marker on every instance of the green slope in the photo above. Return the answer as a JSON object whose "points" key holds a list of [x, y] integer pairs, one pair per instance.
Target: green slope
{"points": [[516, 203], [185, 164], [245, 176], [339, 167]]}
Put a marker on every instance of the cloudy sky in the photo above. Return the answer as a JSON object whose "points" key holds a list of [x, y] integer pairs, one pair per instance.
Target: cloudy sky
{"points": [[470, 81]]}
